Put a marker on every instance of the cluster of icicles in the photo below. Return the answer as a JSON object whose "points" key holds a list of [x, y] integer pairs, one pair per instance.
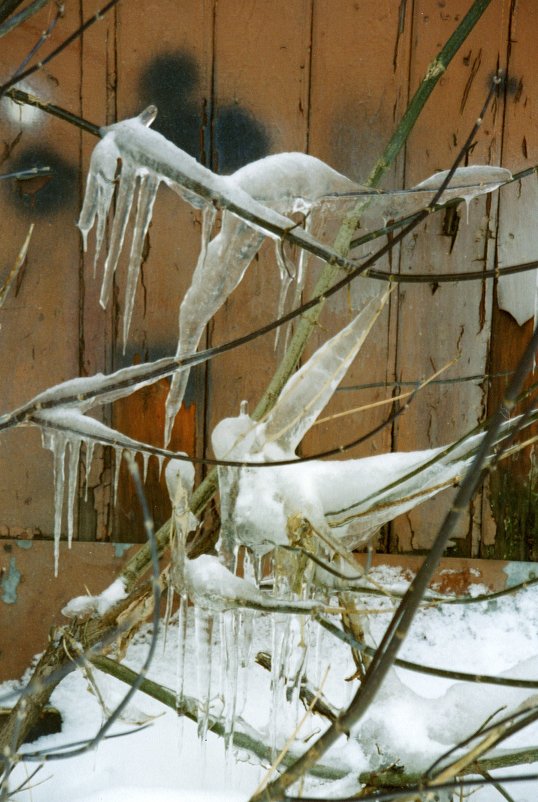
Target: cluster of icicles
{"points": [[223, 608], [266, 190], [260, 508]]}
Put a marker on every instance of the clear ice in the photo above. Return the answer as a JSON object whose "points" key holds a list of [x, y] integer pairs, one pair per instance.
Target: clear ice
{"points": [[256, 199]]}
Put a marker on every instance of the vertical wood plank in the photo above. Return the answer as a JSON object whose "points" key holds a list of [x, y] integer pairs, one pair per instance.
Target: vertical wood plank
{"points": [[439, 322], [261, 96], [511, 522], [96, 325], [360, 63], [170, 65], [39, 322]]}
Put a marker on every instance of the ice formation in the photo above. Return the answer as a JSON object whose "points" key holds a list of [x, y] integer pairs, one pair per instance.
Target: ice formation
{"points": [[256, 201], [147, 158], [64, 429]]}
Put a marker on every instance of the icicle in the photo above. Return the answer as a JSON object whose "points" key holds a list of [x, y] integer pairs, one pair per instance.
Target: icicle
{"points": [[160, 460], [218, 272], [147, 193], [315, 656], [124, 201], [229, 641], [280, 634], [90, 446], [203, 633], [118, 452], [258, 568], [89, 208], [245, 633], [105, 190], [320, 217], [57, 443], [182, 650], [287, 274], [467, 200], [72, 476], [208, 218], [145, 464]]}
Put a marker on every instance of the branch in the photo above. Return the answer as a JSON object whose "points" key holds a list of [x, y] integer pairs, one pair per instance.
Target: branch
{"points": [[22, 16], [71, 38], [244, 737]]}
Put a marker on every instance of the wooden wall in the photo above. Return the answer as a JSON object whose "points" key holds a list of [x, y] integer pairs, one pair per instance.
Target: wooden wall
{"points": [[235, 80]]}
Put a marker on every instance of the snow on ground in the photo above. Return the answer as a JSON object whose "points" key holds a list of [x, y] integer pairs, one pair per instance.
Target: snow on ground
{"points": [[415, 718]]}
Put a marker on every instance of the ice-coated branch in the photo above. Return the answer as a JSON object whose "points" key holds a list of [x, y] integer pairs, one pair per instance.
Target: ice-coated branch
{"points": [[244, 736], [146, 152], [17, 267], [211, 586], [28, 99]]}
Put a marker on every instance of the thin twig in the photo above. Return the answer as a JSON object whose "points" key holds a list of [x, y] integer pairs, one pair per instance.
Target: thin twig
{"points": [[17, 19], [61, 47]]}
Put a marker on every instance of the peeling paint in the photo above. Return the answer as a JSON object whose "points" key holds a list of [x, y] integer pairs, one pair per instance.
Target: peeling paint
{"points": [[518, 572], [24, 544], [10, 582], [120, 549]]}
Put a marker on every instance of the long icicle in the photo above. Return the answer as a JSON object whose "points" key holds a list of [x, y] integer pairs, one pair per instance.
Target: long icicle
{"points": [[124, 201], [147, 193], [72, 486]]}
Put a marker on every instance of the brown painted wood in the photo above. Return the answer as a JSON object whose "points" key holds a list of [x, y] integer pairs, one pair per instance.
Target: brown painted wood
{"points": [[31, 598], [39, 322], [354, 107], [330, 78], [512, 522], [437, 323], [96, 326]]}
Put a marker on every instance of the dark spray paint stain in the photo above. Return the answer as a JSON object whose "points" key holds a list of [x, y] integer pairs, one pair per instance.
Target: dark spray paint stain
{"points": [[239, 139], [43, 195], [171, 82]]}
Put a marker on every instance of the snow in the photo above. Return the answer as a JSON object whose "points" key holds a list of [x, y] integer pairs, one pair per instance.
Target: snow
{"points": [[414, 719], [82, 606]]}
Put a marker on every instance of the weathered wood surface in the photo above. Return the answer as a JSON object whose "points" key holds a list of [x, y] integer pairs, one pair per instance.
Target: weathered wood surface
{"points": [[235, 80]]}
